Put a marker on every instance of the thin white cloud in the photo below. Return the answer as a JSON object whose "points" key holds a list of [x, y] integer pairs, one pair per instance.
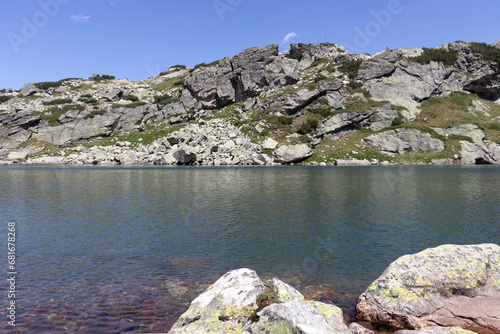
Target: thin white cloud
{"points": [[289, 37], [111, 2], [80, 18]]}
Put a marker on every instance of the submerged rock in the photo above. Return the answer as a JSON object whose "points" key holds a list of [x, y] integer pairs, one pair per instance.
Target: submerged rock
{"points": [[448, 285], [436, 330], [240, 302]]}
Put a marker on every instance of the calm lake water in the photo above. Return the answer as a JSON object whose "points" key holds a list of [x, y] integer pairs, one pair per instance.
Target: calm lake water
{"points": [[125, 249]]}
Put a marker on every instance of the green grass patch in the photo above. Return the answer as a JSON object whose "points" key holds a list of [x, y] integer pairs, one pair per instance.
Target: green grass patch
{"points": [[493, 126], [169, 84], [312, 86], [202, 65], [447, 57], [319, 62], [460, 137]]}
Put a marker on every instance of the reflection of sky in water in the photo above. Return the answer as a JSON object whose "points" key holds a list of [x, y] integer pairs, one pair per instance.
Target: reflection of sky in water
{"points": [[82, 228]]}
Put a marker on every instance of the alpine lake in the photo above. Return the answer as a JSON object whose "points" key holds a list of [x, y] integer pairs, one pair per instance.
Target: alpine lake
{"points": [[125, 249]]}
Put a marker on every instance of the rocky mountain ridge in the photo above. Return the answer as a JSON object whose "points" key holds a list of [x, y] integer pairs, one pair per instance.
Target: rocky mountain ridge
{"points": [[314, 103]]}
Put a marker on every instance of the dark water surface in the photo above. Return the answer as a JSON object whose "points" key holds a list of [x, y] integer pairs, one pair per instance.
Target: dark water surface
{"points": [[125, 249]]}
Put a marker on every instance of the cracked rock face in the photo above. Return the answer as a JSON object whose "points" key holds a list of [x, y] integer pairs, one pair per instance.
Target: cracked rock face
{"points": [[449, 285]]}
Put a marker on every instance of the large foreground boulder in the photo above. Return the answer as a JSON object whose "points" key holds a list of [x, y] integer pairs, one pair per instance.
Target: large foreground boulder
{"points": [[449, 285], [240, 302]]}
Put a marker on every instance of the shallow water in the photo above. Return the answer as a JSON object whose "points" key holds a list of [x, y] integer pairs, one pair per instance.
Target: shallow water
{"points": [[125, 249]]}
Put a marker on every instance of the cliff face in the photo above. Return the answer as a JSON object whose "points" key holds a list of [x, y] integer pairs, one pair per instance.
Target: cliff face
{"points": [[316, 102]]}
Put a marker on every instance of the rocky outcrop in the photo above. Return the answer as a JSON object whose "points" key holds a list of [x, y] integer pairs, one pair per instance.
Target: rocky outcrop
{"points": [[346, 121], [450, 285], [267, 94], [248, 74], [486, 87], [402, 140], [236, 79], [240, 302]]}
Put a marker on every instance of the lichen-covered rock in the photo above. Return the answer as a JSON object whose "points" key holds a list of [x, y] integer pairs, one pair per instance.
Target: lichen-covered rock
{"points": [[449, 285], [224, 307], [240, 302], [300, 317]]}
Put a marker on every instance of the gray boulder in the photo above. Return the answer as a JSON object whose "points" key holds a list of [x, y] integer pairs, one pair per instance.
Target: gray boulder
{"points": [[345, 121], [236, 303], [287, 154], [113, 94], [404, 139], [450, 285], [236, 79], [28, 89], [479, 153], [496, 44], [299, 100], [185, 156]]}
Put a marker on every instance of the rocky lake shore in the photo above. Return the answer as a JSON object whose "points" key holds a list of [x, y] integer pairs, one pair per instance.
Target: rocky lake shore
{"points": [[312, 104], [448, 289]]}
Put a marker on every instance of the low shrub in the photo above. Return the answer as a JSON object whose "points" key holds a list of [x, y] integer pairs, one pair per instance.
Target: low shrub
{"points": [[323, 111], [447, 57], [489, 52], [103, 77], [48, 84], [460, 137], [351, 68], [284, 120], [130, 97], [165, 99], [94, 113], [56, 102], [130, 105], [4, 98], [308, 126]]}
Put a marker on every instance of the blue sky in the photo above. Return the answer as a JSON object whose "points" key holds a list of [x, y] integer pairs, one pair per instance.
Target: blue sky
{"points": [[49, 40]]}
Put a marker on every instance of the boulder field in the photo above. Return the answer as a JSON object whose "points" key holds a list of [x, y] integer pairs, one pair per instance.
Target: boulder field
{"points": [[450, 289]]}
